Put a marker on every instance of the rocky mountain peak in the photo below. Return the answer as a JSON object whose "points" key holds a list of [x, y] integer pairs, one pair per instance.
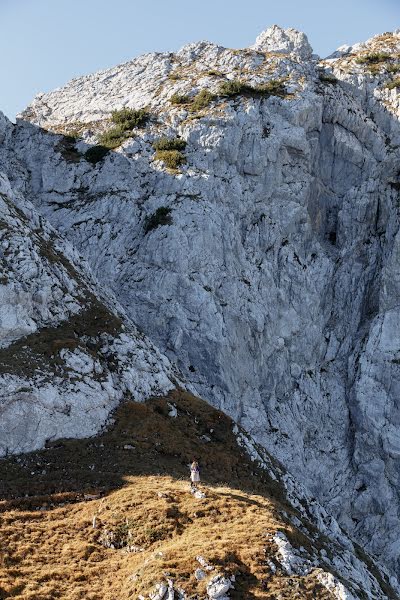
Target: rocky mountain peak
{"points": [[285, 41]]}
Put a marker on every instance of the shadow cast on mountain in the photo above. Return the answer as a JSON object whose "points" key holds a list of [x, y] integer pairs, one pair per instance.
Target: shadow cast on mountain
{"points": [[142, 440]]}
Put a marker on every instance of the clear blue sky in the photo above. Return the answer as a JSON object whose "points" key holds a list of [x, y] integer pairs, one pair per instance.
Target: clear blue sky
{"points": [[45, 43]]}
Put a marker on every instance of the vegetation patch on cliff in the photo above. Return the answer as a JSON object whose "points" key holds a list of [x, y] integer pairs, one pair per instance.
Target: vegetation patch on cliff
{"points": [[169, 151], [162, 216], [166, 143], [95, 154], [395, 83], [235, 87], [124, 121]]}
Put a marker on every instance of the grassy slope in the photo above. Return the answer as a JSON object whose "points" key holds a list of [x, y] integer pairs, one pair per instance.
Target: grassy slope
{"points": [[49, 548]]}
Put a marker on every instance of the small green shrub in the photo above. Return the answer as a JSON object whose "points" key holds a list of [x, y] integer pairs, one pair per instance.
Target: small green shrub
{"points": [[162, 216], [113, 137], [214, 73], [128, 118], [235, 87], [274, 87], [165, 143], [373, 58], [391, 85], [179, 99], [232, 88], [172, 159], [328, 79], [95, 154], [174, 76], [202, 100], [393, 68], [125, 120]]}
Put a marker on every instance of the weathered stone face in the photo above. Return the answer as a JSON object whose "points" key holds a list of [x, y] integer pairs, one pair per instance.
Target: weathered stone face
{"points": [[275, 285], [68, 353]]}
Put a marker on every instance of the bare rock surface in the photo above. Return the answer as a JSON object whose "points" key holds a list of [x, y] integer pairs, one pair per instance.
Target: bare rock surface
{"points": [[68, 353]]}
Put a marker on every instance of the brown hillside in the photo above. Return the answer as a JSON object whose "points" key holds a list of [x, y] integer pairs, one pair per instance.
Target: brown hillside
{"points": [[133, 480]]}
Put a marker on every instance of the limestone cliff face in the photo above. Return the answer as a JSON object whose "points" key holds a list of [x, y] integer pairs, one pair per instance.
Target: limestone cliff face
{"points": [[68, 352], [273, 283]]}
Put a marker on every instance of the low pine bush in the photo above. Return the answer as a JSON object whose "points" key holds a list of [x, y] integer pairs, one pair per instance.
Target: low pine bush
{"points": [[202, 100], [125, 120], [172, 159], [95, 154], [373, 58], [165, 143], [179, 99], [233, 88], [395, 83], [162, 216], [273, 87], [393, 68], [113, 137], [128, 118]]}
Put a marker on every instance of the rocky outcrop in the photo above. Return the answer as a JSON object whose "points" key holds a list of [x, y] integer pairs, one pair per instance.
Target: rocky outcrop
{"points": [[272, 283], [286, 41]]}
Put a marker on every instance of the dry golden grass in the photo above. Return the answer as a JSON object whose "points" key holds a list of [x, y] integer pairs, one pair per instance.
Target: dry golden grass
{"points": [[49, 548], [56, 553]]}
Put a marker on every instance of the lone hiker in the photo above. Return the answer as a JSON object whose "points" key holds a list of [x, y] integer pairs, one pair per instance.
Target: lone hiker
{"points": [[194, 474]]}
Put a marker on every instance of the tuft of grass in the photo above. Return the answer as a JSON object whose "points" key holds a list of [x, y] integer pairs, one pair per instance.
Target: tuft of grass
{"points": [[128, 118], [67, 148], [165, 143], [96, 153], [233, 88], [328, 79], [214, 73], [393, 68], [202, 100], [173, 159], [373, 58], [162, 216], [395, 83], [125, 120], [178, 99]]}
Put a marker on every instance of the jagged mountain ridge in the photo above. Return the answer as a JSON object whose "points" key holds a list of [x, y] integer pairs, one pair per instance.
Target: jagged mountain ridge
{"points": [[275, 286]]}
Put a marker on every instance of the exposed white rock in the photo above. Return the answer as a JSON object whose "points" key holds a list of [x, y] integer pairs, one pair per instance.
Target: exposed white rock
{"points": [[276, 39], [199, 574], [218, 586], [336, 587], [173, 412], [204, 563], [291, 563]]}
